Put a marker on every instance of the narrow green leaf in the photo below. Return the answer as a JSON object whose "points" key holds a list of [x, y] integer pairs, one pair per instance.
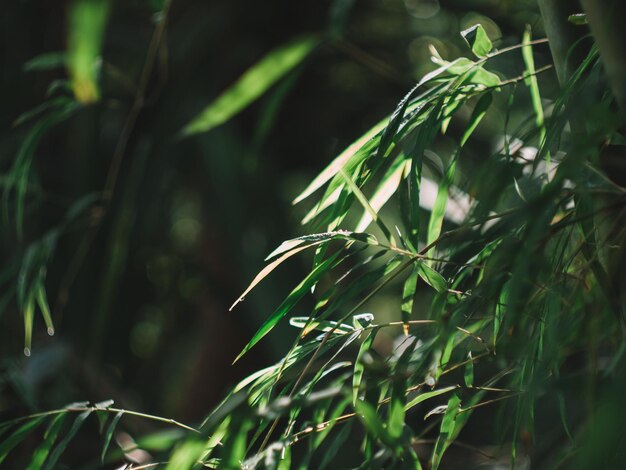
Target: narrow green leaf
{"points": [[474, 72], [437, 215], [369, 417], [42, 301], [478, 41], [446, 430], [408, 296], [579, 19], [468, 376], [500, 312], [359, 369], [339, 439], [387, 187], [427, 395], [109, 433], [61, 446], [29, 314], [478, 114], [356, 152], [533, 85], [187, 455], [300, 291], [323, 237], [18, 436], [46, 61], [307, 325], [395, 420], [267, 270], [366, 205], [252, 84], [41, 453], [432, 277], [87, 23]]}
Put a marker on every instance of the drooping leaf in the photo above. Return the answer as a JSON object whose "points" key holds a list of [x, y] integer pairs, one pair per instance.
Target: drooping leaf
{"points": [[42, 302], [61, 446], [295, 295], [109, 434], [41, 453], [359, 369], [446, 430], [468, 376], [351, 155], [437, 215], [46, 61], [252, 84], [339, 440], [29, 315], [533, 85], [372, 422], [408, 296], [386, 188], [18, 436]]}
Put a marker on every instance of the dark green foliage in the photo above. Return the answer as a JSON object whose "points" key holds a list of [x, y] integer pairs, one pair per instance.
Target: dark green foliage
{"points": [[503, 275]]}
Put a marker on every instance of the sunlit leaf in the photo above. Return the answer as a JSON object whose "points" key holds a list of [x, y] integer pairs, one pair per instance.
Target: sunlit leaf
{"points": [[477, 39], [41, 453], [252, 84], [86, 25], [300, 291]]}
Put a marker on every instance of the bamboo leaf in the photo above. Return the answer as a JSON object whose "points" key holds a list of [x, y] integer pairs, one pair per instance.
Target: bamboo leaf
{"points": [[267, 270], [252, 84], [87, 22], [354, 153], [478, 41], [29, 314], [46, 61], [41, 453], [468, 376], [339, 440], [387, 187], [42, 301], [446, 430], [109, 434], [359, 369], [291, 300], [432, 277], [366, 205], [408, 296], [307, 325], [369, 417], [18, 436], [321, 238], [61, 446], [427, 395], [437, 215], [533, 85], [187, 455]]}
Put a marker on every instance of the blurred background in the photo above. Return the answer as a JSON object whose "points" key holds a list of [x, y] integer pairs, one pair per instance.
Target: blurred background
{"points": [[139, 285]]}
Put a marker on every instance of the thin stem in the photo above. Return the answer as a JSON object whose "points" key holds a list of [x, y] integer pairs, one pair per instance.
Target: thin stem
{"points": [[108, 410]]}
